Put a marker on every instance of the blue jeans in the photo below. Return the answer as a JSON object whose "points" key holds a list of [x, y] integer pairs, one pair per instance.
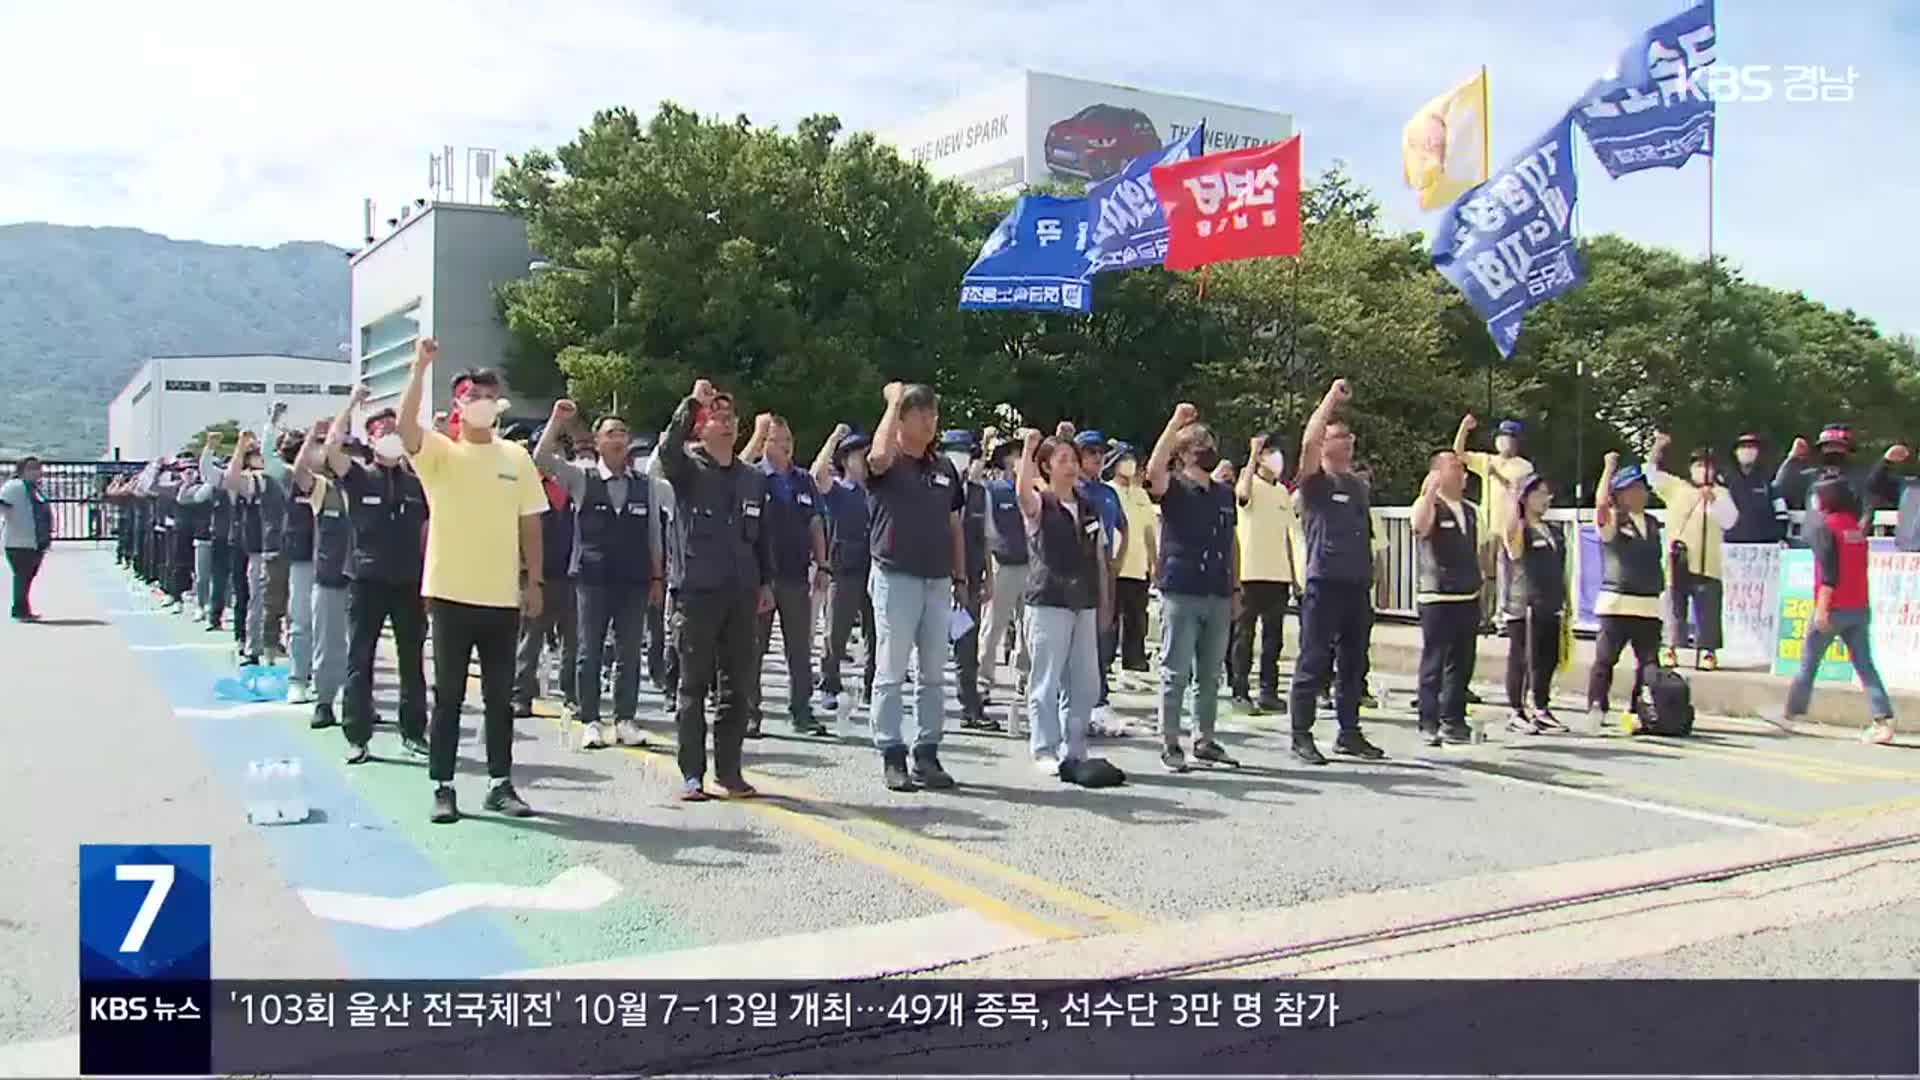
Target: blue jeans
{"points": [[1193, 648], [911, 615], [1853, 628], [1064, 646]]}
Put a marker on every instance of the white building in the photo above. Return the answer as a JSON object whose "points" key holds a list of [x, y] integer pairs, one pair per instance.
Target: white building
{"points": [[435, 275], [1033, 128], [173, 398]]}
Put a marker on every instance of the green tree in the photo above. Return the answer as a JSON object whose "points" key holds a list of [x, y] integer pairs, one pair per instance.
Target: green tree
{"points": [[227, 430]]}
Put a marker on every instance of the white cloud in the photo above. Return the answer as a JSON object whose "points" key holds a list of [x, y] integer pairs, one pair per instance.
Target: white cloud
{"points": [[258, 123]]}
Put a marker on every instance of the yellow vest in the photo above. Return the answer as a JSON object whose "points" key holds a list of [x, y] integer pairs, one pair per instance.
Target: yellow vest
{"points": [[1266, 531], [1142, 522]]}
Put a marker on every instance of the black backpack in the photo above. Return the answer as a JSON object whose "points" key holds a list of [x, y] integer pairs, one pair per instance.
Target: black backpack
{"points": [[1667, 707]]}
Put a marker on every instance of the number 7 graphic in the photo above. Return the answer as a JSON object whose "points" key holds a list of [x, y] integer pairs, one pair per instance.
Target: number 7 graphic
{"points": [[160, 882]]}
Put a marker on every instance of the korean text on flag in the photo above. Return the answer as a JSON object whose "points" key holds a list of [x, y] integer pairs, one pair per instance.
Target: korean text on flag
{"points": [[1034, 260], [1128, 229], [1657, 111], [1236, 204]]}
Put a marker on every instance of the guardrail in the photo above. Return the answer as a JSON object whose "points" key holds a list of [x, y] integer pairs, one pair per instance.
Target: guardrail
{"points": [[74, 490]]}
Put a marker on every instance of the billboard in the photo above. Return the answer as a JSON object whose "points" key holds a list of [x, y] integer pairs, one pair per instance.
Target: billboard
{"points": [[1038, 128]]}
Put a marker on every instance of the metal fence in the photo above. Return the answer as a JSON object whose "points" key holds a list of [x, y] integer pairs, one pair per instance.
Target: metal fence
{"points": [[75, 490]]}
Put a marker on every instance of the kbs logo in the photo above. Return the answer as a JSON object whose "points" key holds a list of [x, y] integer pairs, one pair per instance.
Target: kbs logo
{"points": [[118, 1009], [1757, 83]]}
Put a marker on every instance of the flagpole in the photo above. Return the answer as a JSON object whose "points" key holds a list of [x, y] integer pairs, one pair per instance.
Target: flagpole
{"points": [[1486, 173], [1580, 353]]}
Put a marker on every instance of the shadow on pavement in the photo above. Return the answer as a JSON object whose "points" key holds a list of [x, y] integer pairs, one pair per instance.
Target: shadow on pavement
{"points": [[69, 622], [659, 844]]}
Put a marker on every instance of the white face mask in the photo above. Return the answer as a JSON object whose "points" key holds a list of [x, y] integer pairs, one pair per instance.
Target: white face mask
{"points": [[1275, 461], [389, 447], [482, 412], [1747, 455]]}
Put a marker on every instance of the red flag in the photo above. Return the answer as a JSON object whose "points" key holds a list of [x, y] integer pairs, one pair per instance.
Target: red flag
{"points": [[1236, 204]]}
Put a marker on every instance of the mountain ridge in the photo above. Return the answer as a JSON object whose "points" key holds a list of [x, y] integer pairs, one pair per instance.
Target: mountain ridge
{"points": [[82, 307]]}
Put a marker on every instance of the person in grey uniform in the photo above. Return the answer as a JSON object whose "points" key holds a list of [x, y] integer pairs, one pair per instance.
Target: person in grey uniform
{"points": [[840, 473], [258, 480], [1336, 602], [617, 567], [721, 578], [1006, 603], [332, 552], [797, 537], [559, 618]]}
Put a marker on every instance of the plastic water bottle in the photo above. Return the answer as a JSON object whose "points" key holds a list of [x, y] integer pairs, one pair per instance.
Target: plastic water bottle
{"points": [[276, 794], [550, 674]]}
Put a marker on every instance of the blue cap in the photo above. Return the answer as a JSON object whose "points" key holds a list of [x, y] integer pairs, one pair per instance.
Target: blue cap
{"points": [[851, 444], [1628, 476], [958, 439], [1089, 439], [1510, 427]]}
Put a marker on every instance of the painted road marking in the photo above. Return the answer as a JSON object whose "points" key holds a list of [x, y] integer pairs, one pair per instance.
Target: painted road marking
{"points": [[251, 708], [1491, 773], [580, 888], [1838, 768], [900, 947]]}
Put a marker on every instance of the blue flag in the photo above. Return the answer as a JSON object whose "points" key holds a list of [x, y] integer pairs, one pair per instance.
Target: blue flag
{"points": [[1034, 260], [1508, 243], [1128, 228], [1655, 111]]}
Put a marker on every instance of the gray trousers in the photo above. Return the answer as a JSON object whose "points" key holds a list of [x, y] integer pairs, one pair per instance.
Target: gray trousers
{"points": [[266, 601], [793, 603], [1065, 645], [1006, 609], [300, 621], [203, 575], [330, 634], [558, 612], [1704, 593], [1193, 648]]}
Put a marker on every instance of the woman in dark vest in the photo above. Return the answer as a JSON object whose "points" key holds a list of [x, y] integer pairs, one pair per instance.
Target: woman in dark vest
{"points": [[1536, 594], [1068, 600], [1631, 581]]}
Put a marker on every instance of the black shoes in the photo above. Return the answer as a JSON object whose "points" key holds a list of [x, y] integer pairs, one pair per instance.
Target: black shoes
{"points": [[927, 771], [1456, 733], [501, 798], [446, 809], [980, 721], [358, 754], [322, 716], [1305, 750], [1270, 704], [1354, 744], [1212, 753], [808, 725], [1173, 758], [894, 766], [414, 746]]}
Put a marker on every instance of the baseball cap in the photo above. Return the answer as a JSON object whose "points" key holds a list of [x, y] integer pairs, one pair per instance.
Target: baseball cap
{"points": [[1089, 439], [1628, 476], [1748, 438], [1837, 434], [1510, 427], [958, 439]]}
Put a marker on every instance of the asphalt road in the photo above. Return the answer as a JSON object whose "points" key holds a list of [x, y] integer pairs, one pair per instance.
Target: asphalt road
{"points": [[118, 736]]}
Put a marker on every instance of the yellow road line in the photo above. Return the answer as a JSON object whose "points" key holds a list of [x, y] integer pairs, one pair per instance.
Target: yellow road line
{"points": [[1840, 770], [1872, 809]]}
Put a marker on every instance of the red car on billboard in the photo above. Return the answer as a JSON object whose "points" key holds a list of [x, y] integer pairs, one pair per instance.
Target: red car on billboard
{"points": [[1098, 141]]}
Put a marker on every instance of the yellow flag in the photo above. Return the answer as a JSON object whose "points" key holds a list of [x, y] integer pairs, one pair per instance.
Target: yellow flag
{"points": [[1444, 147]]}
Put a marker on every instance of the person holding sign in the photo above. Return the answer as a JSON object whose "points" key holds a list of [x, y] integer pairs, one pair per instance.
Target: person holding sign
{"points": [[1699, 513], [1841, 608], [1630, 584]]}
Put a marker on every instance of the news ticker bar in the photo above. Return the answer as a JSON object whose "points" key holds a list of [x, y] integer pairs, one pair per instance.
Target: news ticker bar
{"points": [[951, 1028]]}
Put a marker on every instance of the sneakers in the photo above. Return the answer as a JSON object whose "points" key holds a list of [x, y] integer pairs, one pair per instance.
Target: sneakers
{"points": [[1545, 721], [1174, 758], [1103, 725], [893, 763], [630, 733], [927, 771], [1354, 744], [1879, 733], [591, 738], [1305, 750], [446, 809], [1708, 662], [299, 693], [1213, 753], [1669, 658], [980, 721], [1456, 733], [501, 798], [830, 703], [1522, 724], [413, 745], [1242, 703], [322, 716], [358, 754], [691, 790], [737, 789], [1270, 704]]}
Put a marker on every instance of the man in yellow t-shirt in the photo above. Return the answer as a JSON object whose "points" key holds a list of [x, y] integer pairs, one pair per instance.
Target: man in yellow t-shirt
{"points": [[1266, 528], [1137, 561], [485, 499], [1700, 510], [1501, 473]]}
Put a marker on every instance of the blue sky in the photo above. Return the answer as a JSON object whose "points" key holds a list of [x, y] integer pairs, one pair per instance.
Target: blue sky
{"points": [[258, 123]]}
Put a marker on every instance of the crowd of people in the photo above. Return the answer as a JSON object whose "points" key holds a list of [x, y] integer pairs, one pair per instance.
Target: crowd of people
{"points": [[576, 559]]}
